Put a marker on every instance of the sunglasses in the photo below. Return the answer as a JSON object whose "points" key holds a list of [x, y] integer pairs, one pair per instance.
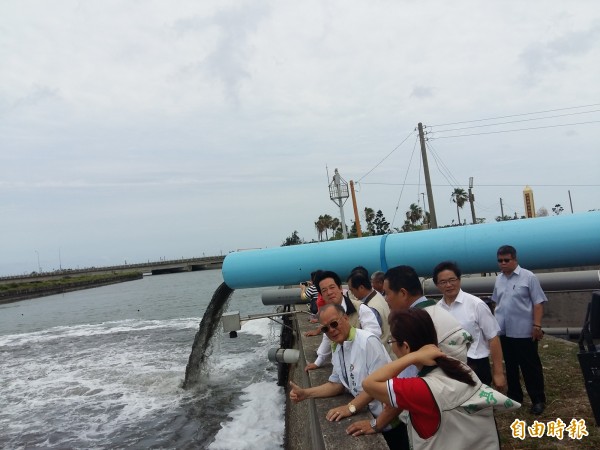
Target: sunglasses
{"points": [[333, 324], [504, 260]]}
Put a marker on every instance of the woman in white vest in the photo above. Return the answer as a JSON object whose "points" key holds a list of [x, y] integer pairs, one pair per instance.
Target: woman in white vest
{"points": [[448, 405]]}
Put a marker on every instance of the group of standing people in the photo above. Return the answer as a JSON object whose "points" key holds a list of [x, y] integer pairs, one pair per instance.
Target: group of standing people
{"points": [[423, 368]]}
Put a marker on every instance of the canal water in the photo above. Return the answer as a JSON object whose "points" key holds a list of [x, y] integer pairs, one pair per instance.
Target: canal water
{"points": [[104, 367]]}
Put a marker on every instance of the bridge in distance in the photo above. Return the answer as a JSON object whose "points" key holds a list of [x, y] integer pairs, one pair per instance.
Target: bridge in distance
{"points": [[153, 267]]}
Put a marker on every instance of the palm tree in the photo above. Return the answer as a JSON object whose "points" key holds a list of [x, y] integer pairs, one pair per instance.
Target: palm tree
{"points": [[327, 221], [414, 213], [335, 225], [320, 226], [460, 197]]}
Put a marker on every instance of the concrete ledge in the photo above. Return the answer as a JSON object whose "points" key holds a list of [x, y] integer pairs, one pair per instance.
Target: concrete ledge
{"points": [[306, 426]]}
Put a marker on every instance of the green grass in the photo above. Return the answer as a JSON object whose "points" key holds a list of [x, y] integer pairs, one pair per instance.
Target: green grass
{"points": [[15, 288], [566, 398]]}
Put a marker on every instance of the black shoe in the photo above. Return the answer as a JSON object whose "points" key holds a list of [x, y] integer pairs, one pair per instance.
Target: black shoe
{"points": [[537, 408]]}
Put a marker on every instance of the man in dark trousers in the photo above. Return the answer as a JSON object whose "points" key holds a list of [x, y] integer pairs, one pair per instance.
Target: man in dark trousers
{"points": [[519, 309]]}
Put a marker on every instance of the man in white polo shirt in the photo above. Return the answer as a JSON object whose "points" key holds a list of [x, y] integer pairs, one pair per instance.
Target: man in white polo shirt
{"points": [[475, 317]]}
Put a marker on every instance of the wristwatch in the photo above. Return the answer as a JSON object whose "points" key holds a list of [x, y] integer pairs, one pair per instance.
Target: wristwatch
{"points": [[374, 426], [352, 408]]}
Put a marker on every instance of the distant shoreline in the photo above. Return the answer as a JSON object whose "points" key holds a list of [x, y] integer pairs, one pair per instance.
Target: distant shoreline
{"points": [[27, 291]]}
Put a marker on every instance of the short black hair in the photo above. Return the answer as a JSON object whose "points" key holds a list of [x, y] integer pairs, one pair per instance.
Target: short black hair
{"points": [[360, 279], [327, 274], [446, 265], [507, 250], [404, 277], [313, 275], [359, 269]]}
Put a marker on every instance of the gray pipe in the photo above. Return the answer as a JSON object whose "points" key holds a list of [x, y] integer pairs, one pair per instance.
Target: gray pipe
{"points": [[568, 331], [584, 280], [282, 297]]}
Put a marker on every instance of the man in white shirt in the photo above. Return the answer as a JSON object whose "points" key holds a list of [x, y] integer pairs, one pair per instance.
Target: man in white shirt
{"points": [[403, 290], [360, 315], [356, 354], [475, 317], [360, 285]]}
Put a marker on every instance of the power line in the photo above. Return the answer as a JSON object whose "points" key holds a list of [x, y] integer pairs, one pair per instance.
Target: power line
{"points": [[513, 121], [518, 129], [490, 185], [404, 184], [437, 159], [516, 115], [386, 156]]}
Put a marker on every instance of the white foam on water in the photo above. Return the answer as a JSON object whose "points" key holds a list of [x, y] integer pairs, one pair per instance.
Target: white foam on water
{"points": [[258, 424], [123, 326], [91, 384]]}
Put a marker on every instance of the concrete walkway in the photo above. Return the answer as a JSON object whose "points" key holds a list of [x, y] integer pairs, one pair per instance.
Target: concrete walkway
{"points": [[306, 426]]}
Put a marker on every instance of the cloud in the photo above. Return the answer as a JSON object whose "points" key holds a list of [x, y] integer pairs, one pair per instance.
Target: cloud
{"points": [[229, 58], [218, 118], [36, 95], [422, 92], [559, 53]]}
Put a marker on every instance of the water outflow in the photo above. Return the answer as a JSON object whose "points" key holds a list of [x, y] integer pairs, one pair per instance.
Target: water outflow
{"points": [[208, 326]]}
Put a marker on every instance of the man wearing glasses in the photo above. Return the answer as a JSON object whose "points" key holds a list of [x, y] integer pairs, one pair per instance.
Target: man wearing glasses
{"points": [[403, 290], [356, 354], [475, 317], [360, 315], [519, 309]]}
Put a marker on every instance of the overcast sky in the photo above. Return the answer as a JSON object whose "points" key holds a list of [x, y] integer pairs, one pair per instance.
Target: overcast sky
{"points": [[139, 130]]}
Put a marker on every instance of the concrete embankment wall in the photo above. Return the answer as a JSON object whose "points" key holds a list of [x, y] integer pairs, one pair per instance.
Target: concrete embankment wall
{"points": [[306, 426], [29, 293]]}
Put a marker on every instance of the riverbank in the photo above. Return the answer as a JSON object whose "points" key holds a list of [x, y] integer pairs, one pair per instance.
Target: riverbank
{"points": [[24, 290]]}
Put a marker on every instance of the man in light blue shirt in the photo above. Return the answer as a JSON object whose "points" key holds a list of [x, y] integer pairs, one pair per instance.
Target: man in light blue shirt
{"points": [[519, 309]]}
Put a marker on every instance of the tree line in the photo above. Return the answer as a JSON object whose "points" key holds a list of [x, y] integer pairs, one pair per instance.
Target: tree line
{"points": [[415, 219]]}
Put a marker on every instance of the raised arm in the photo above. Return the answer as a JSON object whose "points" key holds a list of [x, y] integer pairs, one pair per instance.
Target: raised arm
{"points": [[376, 384]]}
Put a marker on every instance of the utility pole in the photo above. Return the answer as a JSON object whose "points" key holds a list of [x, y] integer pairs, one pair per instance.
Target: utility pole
{"points": [[432, 217], [356, 218], [426, 224], [472, 200], [501, 209], [570, 201]]}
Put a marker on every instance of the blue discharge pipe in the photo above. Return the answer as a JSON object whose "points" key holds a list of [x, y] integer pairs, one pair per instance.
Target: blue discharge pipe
{"points": [[541, 243]]}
